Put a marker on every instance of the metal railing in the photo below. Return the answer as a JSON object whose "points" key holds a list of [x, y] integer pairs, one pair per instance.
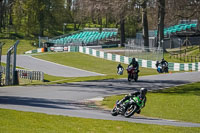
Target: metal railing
{"points": [[27, 74], [142, 52]]}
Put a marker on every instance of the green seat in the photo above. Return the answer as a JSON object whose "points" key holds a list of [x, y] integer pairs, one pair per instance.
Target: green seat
{"points": [[179, 29], [173, 31], [193, 25], [188, 27]]}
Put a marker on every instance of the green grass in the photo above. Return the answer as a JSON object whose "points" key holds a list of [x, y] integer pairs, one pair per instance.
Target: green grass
{"points": [[26, 122], [85, 62], [90, 63], [190, 51], [173, 59], [24, 45], [177, 103]]}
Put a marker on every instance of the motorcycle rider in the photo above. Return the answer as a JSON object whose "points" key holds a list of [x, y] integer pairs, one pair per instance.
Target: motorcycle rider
{"points": [[164, 62], [157, 63], [142, 95], [164, 65], [120, 69], [134, 64]]}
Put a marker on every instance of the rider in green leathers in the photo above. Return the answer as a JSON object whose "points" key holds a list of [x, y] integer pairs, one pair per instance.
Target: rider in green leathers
{"points": [[141, 94]]}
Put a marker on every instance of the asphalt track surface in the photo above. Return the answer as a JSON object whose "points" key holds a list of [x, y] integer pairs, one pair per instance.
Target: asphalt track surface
{"points": [[70, 99], [50, 68]]}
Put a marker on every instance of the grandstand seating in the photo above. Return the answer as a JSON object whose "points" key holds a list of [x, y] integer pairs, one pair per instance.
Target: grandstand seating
{"points": [[178, 28], [85, 37]]}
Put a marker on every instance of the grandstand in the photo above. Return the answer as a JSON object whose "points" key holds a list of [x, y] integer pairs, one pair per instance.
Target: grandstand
{"points": [[185, 33], [85, 37], [184, 26]]}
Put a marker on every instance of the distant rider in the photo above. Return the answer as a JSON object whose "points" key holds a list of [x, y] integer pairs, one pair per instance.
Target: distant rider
{"points": [[142, 95], [134, 64], [120, 69], [164, 65], [157, 63], [164, 62]]}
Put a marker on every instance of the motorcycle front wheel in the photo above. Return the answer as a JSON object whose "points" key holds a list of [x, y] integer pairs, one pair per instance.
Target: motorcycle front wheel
{"points": [[130, 111], [114, 111]]}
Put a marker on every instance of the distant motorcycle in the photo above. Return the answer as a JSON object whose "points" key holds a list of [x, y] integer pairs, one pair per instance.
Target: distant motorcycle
{"points": [[132, 73], [128, 108], [162, 68]]}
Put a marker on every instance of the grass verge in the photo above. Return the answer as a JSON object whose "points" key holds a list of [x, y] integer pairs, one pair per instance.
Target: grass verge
{"points": [[86, 62], [24, 45], [26, 122], [89, 63], [177, 103]]}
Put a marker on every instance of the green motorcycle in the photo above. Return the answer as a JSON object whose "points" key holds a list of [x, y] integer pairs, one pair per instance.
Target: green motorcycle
{"points": [[129, 107]]}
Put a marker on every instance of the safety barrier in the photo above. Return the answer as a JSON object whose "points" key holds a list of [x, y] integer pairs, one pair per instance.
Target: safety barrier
{"points": [[39, 50], [31, 75], [27, 74], [127, 60]]}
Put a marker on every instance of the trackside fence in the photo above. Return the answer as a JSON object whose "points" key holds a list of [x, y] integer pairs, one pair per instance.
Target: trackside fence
{"points": [[31, 75], [127, 60], [27, 74]]}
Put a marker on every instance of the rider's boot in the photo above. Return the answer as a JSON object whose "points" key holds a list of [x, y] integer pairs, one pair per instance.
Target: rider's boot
{"points": [[138, 112]]}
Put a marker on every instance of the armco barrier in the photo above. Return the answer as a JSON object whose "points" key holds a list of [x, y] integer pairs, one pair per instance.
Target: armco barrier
{"points": [[39, 50], [127, 60]]}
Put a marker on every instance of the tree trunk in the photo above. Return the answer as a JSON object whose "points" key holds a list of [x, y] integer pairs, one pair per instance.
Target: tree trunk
{"points": [[106, 21], [69, 4], [10, 14], [161, 20], [145, 25], [75, 26], [1, 14], [122, 32], [41, 23]]}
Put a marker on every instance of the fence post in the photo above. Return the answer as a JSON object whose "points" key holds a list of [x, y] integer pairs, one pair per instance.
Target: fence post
{"points": [[184, 58], [1, 45]]}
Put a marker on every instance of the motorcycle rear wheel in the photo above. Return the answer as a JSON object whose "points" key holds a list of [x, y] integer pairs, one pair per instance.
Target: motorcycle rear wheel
{"points": [[136, 78], [130, 111], [129, 77], [114, 111]]}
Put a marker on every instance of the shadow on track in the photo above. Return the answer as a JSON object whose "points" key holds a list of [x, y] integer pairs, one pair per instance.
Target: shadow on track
{"points": [[39, 102], [123, 84]]}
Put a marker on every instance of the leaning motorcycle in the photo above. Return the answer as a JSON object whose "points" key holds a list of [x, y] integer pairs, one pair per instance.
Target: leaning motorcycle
{"points": [[132, 73], [129, 107]]}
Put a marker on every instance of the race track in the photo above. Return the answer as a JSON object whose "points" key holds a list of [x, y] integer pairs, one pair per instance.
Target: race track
{"points": [[69, 99], [50, 68]]}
